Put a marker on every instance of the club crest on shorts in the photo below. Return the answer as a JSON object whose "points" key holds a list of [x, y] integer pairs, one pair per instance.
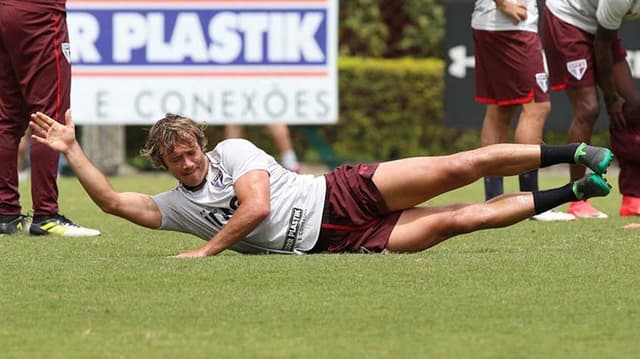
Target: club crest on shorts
{"points": [[543, 81], [577, 68], [66, 51]]}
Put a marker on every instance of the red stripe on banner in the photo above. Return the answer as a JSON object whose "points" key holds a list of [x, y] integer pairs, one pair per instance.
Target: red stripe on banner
{"points": [[82, 73], [129, 2]]}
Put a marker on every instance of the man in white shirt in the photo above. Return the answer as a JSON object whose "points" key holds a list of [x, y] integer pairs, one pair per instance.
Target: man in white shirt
{"points": [[580, 36], [237, 197]]}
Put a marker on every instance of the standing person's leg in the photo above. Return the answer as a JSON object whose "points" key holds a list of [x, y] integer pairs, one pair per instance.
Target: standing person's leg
{"points": [[13, 118], [626, 145], [282, 138], [409, 182], [569, 52], [45, 75], [495, 129], [529, 131], [625, 142], [490, 90]]}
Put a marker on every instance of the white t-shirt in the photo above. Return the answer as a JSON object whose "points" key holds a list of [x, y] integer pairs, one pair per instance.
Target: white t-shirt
{"points": [[297, 202], [610, 13], [486, 16], [586, 14]]}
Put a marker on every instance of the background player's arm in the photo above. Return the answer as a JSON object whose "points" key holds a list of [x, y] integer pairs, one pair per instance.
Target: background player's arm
{"points": [[604, 64], [136, 207], [253, 191]]}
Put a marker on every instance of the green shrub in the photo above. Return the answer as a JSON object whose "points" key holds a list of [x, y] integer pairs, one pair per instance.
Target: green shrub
{"points": [[391, 28]]}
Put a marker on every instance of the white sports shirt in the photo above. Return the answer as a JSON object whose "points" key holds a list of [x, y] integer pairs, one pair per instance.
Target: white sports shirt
{"points": [[586, 14], [486, 16], [297, 201]]}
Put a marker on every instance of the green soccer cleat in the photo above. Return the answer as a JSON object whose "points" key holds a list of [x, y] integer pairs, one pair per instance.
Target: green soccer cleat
{"points": [[595, 158], [592, 185]]}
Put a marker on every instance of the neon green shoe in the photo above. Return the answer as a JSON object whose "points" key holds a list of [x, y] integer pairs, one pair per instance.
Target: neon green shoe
{"points": [[592, 185], [595, 158]]}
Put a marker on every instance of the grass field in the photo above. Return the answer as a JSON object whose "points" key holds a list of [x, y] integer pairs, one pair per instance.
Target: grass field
{"points": [[540, 290]]}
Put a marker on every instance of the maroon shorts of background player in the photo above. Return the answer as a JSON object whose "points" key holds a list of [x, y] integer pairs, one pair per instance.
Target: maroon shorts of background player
{"points": [[509, 68], [570, 53], [355, 217]]}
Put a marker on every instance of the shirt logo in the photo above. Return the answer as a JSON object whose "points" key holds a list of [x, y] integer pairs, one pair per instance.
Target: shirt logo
{"points": [[543, 81], [217, 181], [66, 51], [577, 68]]}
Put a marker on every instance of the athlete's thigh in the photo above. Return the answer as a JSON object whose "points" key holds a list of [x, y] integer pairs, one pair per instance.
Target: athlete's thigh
{"points": [[420, 228], [411, 181]]}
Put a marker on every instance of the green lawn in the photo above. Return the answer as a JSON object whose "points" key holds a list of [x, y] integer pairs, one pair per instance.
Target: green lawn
{"points": [[532, 290]]}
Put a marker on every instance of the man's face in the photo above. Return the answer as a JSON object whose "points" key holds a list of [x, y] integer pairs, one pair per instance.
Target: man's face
{"points": [[187, 163]]}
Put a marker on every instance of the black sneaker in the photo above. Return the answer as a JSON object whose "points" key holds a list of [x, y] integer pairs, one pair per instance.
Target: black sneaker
{"points": [[18, 223], [60, 225]]}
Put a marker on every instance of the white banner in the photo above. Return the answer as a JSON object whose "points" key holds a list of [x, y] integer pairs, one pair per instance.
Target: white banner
{"points": [[217, 61]]}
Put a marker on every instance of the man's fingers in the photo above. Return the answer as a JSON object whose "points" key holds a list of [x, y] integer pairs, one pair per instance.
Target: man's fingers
{"points": [[37, 126], [43, 120]]}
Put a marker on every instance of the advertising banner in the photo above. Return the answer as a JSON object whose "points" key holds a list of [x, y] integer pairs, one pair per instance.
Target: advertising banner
{"points": [[217, 61]]}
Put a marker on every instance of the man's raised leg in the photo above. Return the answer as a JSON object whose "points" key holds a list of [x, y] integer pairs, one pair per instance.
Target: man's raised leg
{"points": [[409, 182]]}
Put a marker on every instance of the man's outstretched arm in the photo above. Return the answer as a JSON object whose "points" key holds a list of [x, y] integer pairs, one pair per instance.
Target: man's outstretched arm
{"points": [[136, 207]]}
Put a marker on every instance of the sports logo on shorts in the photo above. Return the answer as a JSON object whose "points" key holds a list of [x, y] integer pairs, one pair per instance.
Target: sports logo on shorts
{"points": [[66, 51], [577, 68], [543, 81]]}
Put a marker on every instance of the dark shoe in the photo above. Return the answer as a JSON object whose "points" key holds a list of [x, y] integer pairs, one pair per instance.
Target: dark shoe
{"points": [[60, 225], [595, 158], [14, 225], [592, 185]]}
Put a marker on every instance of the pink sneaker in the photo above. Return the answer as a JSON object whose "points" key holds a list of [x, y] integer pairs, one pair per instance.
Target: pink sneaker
{"points": [[630, 206], [583, 209]]}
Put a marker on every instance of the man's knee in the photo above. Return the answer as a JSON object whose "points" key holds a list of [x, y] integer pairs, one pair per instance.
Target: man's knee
{"points": [[586, 112]]}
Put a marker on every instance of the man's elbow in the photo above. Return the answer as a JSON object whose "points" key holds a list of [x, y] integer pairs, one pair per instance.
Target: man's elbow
{"points": [[261, 211], [109, 207]]}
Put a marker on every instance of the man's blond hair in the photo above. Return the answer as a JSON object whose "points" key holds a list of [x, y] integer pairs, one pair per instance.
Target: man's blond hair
{"points": [[169, 131]]}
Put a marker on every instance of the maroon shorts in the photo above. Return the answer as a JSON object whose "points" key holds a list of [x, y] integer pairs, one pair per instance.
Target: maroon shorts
{"points": [[570, 53], [355, 217], [509, 68]]}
